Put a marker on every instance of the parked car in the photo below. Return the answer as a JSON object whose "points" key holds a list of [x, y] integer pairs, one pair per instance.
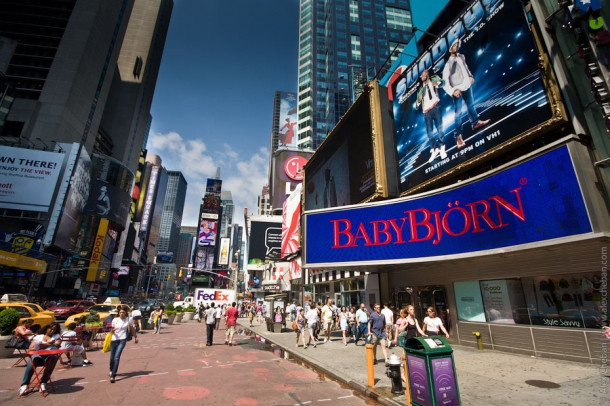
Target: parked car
{"points": [[26, 312], [38, 309], [70, 307], [103, 310]]}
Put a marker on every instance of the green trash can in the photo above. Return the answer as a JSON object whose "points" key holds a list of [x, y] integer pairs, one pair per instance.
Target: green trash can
{"points": [[432, 377]]}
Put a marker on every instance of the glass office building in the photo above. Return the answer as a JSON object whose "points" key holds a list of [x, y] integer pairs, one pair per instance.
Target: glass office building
{"points": [[342, 44]]}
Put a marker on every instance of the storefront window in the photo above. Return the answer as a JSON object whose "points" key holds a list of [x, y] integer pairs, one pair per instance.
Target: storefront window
{"points": [[564, 300], [469, 301], [504, 302]]}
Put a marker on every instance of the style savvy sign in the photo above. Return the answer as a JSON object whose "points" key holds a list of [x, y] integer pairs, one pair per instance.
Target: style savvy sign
{"points": [[537, 200]]}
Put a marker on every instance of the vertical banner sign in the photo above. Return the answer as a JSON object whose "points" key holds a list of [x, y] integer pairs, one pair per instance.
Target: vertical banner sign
{"points": [[150, 196], [96, 254], [445, 387], [223, 258], [418, 379]]}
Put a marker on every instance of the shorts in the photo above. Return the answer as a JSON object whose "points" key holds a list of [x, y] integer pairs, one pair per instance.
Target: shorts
{"points": [[377, 341], [328, 324], [230, 330]]}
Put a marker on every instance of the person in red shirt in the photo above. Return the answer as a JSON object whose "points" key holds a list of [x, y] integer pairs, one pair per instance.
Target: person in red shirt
{"points": [[231, 322]]}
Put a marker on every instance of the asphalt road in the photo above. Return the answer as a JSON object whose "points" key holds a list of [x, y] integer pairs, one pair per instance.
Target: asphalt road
{"points": [[176, 367]]}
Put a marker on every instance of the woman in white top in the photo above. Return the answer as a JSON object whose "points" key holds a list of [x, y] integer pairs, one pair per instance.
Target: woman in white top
{"points": [[119, 339], [434, 325], [344, 324]]}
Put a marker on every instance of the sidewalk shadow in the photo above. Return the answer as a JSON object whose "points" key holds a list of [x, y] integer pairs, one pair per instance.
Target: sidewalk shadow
{"points": [[67, 385], [133, 374]]}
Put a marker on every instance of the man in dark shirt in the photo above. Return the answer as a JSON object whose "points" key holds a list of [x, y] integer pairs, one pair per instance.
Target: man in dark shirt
{"points": [[377, 331]]}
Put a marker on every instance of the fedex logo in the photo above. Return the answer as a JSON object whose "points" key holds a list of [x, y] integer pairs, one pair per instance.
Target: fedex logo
{"points": [[216, 295]]}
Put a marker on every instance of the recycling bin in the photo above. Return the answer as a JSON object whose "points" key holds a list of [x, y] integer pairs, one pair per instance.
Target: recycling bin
{"points": [[431, 372]]}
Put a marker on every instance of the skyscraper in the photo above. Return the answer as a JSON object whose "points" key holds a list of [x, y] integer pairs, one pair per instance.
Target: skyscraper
{"points": [[171, 216], [342, 43]]}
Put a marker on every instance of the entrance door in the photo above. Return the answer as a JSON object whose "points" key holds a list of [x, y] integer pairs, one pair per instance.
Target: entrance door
{"points": [[435, 297]]}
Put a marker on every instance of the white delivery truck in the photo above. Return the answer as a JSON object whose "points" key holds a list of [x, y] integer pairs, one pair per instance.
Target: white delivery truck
{"points": [[208, 295]]}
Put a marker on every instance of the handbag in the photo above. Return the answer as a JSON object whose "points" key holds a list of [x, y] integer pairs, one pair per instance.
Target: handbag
{"points": [[295, 326], [129, 333], [15, 342], [107, 341]]}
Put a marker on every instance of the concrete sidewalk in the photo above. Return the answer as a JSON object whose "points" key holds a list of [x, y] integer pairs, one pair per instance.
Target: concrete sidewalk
{"points": [[484, 377]]}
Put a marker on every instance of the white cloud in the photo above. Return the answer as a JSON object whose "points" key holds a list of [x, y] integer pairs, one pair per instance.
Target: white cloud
{"points": [[243, 176]]}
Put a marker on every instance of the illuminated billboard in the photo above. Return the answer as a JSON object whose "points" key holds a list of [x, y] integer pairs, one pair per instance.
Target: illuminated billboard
{"points": [[477, 87], [108, 201], [208, 229], [288, 120], [149, 201], [265, 239], [287, 172], [357, 161], [28, 178], [223, 257], [533, 201]]}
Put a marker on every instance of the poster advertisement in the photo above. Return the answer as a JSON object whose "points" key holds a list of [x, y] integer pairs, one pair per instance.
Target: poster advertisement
{"points": [[443, 376], [265, 239], [208, 229], [418, 380], [288, 120], [28, 178], [478, 86], [286, 174]]}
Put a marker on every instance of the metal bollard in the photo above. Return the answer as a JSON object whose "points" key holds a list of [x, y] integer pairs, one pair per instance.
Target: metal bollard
{"points": [[370, 368], [393, 372], [479, 339]]}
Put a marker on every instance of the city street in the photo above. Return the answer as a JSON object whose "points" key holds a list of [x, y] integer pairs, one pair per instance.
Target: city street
{"points": [[177, 366]]}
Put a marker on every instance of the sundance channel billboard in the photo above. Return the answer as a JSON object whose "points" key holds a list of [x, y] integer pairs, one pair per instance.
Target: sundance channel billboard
{"points": [[477, 87], [357, 161], [287, 174], [288, 120]]}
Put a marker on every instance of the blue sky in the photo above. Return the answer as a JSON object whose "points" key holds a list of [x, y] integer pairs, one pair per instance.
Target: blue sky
{"points": [[213, 103]]}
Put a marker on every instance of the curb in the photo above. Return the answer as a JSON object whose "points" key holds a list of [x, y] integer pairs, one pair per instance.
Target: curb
{"points": [[363, 390]]}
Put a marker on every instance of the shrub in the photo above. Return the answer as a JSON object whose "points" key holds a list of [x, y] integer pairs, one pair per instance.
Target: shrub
{"points": [[92, 318], [170, 306], [190, 308], [9, 319], [179, 309]]}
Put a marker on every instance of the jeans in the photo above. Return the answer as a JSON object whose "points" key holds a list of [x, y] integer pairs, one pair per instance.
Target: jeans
{"points": [[362, 330], [473, 116], [158, 326], [210, 333], [51, 360], [116, 348], [433, 118]]}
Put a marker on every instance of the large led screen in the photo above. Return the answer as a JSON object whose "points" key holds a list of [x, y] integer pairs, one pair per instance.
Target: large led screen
{"points": [[288, 120], [287, 173], [265, 241], [537, 200], [477, 87]]}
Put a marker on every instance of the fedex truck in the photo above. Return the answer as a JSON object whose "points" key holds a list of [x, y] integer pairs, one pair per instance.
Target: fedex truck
{"points": [[208, 295]]}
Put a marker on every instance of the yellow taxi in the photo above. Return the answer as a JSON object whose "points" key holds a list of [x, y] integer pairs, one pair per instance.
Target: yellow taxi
{"points": [[38, 309], [103, 310], [41, 320]]}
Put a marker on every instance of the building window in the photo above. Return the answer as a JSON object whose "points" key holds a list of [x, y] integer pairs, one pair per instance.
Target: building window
{"points": [[356, 52], [353, 11], [398, 19]]}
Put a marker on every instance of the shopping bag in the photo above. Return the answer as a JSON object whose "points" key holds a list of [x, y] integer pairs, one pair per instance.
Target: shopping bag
{"points": [[107, 340]]}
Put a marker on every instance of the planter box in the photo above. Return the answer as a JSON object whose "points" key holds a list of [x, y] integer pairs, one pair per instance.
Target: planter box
{"points": [[5, 352], [188, 316], [171, 318]]}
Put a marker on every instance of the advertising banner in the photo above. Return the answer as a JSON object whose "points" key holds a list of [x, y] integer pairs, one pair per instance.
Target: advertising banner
{"points": [[208, 229], [108, 201], [444, 382], [149, 201], [477, 87], [288, 120], [96, 253], [418, 380], [66, 234], [536, 200], [287, 173], [265, 241], [28, 178], [291, 223], [223, 257]]}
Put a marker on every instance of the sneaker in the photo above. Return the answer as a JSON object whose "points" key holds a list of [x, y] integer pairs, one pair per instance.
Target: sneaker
{"points": [[87, 362], [111, 380], [226, 342], [43, 387], [325, 340], [22, 389]]}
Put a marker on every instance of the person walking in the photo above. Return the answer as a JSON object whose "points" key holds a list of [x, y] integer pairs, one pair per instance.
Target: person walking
{"points": [[301, 322], [433, 325], [389, 322], [402, 318], [120, 325], [251, 315], [210, 321], [412, 325], [312, 321], [230, 321], [351, 316], [218, 316], [327, 319], [362, 319], [376, 330], [158, 320], [344, 324]]}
